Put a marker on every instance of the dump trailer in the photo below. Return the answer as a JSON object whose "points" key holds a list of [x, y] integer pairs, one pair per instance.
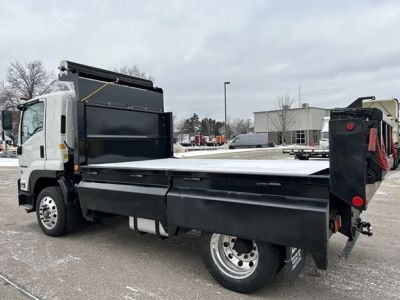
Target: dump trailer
{"points": [[390, 108], [105, 149]]}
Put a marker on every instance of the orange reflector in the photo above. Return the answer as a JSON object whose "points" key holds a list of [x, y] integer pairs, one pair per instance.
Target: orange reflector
{"points": [[76, 167], [61, 146], [335, 224], [338, 223], [357, 201], [350, 126]]}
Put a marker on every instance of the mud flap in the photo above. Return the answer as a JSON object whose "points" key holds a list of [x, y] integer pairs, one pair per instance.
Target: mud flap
{"points": [[295, 262]]}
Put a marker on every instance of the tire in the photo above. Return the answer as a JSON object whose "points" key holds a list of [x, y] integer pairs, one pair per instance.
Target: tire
{"points": [[243, 272], [395, 163], [51, 211], [231, 147]]}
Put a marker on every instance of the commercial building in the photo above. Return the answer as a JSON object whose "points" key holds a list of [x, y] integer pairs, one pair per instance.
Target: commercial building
{"points": [[303, 124]]}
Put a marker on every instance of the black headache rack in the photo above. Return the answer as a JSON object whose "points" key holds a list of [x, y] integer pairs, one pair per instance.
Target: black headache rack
{"points": [[117, 117]]}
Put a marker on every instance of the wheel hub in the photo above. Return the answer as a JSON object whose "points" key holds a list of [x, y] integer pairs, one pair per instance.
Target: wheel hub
{"points": [[48, 212], [242, 246], [237, 258]]}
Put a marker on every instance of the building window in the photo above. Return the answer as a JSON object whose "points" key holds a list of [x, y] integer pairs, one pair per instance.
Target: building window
{"points": [[298, 137]]}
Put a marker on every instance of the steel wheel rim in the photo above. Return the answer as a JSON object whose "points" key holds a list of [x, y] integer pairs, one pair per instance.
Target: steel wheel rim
{"points": [[229, 261], [48, 213]]}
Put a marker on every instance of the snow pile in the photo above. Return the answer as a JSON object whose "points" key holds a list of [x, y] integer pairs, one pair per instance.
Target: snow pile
{"points": [[8, 162]]}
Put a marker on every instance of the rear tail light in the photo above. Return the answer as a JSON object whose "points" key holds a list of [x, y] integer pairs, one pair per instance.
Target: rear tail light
{"points": [[350, 126], [357, 201]]}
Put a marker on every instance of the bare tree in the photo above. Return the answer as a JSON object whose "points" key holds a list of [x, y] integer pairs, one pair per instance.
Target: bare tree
{"points": [[134, 71], [239, 126], [285, 118], [26, 80]]}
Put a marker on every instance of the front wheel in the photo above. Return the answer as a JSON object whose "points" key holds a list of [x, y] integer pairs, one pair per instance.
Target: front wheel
{"points": [[51, 211], [238, 264]]}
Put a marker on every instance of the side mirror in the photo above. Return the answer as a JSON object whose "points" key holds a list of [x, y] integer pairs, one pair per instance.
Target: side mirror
{"points": [[6, 119]]}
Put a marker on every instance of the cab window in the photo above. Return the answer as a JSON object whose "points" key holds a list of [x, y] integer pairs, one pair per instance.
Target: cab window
{"points": [[32, 120], [236, 140], [324, 135]]}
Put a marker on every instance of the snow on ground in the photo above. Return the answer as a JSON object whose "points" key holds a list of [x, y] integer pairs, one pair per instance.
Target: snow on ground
{"points": [[8, 162]]}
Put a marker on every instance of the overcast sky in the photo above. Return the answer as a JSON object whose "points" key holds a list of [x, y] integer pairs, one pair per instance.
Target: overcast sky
{"points": [[336, 50]]}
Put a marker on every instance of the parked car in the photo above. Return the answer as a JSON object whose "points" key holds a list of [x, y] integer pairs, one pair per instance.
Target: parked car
{"points": [[270, 143], [249, 140]]}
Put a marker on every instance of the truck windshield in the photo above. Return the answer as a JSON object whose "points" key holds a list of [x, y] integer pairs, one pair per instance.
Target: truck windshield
{"points": [[324, 135], [32, 120]]}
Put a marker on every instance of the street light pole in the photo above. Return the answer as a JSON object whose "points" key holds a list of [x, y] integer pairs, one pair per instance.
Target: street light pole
{"points": [[225, 132]]}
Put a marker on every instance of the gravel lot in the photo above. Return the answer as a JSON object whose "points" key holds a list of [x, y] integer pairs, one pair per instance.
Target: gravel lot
{"points": [[109, 261]]}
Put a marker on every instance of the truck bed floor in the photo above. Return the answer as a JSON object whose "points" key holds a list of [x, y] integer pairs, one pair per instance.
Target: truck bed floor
{"points": [[233, 166]]}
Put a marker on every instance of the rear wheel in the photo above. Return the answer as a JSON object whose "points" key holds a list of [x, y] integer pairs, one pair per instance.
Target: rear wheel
{"points": [[51, 211], [238, 264]]}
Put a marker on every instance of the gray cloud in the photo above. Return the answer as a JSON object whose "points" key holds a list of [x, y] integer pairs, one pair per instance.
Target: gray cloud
{"points": [[336, 50]]}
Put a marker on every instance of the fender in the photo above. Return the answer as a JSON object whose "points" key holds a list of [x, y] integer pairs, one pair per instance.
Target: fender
{"points": [[40, 174], [67, 190]]}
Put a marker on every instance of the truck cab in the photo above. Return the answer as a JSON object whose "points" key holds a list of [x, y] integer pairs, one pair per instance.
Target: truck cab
{"points": [[44, 136]]}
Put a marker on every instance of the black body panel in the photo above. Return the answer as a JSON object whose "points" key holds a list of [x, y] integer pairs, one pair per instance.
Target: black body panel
{"points": [[282, 220], [124, 200], [115, 134], [284, 210]]}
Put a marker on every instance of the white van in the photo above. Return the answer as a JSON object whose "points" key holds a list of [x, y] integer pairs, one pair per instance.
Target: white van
{"points": [[249, 140], [324, 138]]}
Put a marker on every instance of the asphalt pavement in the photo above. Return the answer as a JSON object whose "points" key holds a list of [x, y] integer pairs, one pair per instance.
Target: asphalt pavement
{"points": [[109, 261]]}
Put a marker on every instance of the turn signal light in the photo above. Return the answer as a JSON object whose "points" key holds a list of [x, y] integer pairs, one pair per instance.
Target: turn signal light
{"points": [[350, 126], [357, 201]]}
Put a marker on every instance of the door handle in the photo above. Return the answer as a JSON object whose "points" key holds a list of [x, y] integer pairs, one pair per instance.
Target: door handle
{"points": [[41, 151]]}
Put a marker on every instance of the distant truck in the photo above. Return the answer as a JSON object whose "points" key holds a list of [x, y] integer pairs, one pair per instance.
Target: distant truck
{"points": [[183, 139], [198, 140], [324, 137], [217, 140], [250, 140]]}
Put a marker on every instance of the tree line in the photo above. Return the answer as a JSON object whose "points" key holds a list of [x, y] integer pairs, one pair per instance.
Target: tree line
{"points": [[211, 127]]}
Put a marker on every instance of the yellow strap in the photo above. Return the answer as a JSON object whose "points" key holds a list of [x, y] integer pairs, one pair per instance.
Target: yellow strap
{"points": [[99, 89]]}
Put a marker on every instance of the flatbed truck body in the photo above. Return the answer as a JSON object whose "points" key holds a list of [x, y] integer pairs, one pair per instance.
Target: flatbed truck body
{"points": [[106, 149], [306, 154]]}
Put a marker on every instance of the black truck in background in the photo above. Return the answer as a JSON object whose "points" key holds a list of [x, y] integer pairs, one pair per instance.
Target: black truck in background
{"points": [[254, 219]]}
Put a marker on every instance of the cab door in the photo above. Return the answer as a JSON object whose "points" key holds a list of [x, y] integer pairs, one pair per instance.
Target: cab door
{"points": [[32, 141]]}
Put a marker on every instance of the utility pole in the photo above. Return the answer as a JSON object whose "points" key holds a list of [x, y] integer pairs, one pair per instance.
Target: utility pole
{"points": [[225, 132], [299, 97]]}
